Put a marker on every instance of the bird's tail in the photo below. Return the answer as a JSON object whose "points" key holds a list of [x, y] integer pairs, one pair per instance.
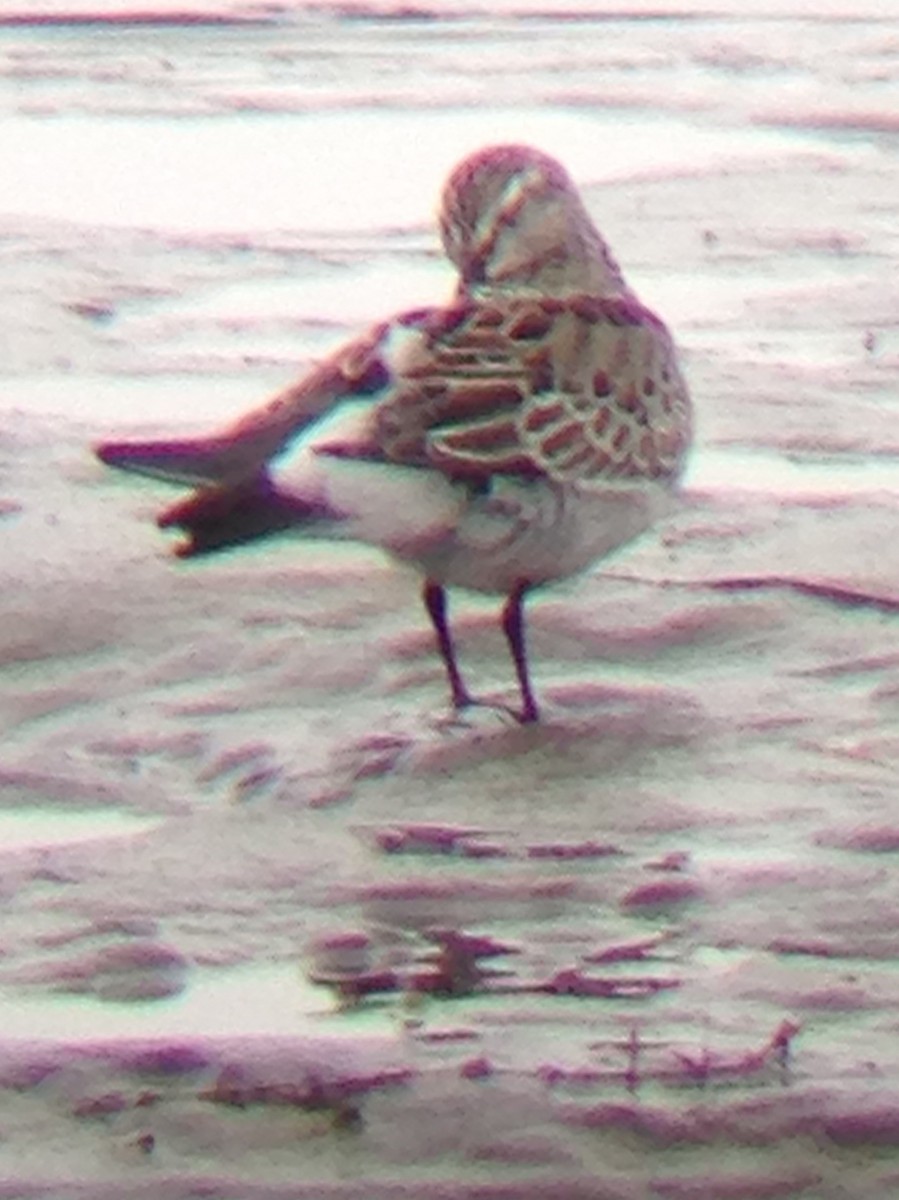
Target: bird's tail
{"points": [[218, 518], [236, 500]]}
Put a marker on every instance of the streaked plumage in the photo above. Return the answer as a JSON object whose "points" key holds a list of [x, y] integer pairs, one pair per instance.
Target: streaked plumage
{"points": [[512, 437]]}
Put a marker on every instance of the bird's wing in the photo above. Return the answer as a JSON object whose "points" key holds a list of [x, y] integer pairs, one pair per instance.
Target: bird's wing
{"points": [[583, 388], [242, 450]]}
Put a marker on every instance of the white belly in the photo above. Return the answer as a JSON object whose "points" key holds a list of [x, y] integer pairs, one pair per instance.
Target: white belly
{"points": [[538, 532], [519, 531]]}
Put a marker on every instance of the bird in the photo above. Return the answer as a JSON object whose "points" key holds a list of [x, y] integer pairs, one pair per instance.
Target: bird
{"points": [[512, 436]]}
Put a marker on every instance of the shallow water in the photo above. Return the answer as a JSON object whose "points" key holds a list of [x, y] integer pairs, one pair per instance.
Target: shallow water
{"points": [[243, 1001], [32, 829]]}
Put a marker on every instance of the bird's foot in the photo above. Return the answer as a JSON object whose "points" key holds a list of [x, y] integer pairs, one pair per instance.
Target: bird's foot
{"points": [[464, 709], [529, 715]]}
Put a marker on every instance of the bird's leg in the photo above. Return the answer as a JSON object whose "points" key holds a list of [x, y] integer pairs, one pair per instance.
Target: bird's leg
{"points": [[513, 628], [434, 597]]}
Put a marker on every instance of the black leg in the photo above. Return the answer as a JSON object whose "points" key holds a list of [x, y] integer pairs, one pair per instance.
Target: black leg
{"points": [[513, 628], [434, 597]]}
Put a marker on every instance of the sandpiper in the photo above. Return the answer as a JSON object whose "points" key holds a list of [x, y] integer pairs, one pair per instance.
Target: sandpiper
{"points": [[511, 437]]}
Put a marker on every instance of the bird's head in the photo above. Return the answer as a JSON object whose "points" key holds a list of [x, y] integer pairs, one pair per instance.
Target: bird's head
{"points": [[511, 217]]}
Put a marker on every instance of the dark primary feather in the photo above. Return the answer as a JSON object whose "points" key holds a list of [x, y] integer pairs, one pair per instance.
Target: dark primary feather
{"points": [[219, 518], [191, 461], [243, 449]]}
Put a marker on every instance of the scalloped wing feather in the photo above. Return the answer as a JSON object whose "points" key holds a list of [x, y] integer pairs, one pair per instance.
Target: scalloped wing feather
{"points": [[584, 389]]}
